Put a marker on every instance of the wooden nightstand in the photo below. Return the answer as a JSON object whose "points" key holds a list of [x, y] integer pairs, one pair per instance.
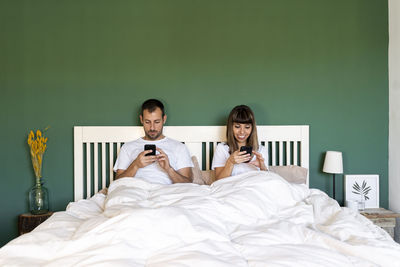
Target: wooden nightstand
{"points": [[27, 221], [385, 219]]}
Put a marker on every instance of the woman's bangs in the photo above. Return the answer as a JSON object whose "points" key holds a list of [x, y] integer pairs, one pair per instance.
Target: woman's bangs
{"points": [[242, 117]]}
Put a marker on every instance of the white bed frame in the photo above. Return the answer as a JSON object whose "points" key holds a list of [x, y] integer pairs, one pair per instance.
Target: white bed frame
{"points": [[94, 146]]}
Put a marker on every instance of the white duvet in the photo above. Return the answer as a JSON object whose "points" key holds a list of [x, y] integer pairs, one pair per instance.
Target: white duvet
{"points": [[254, 219]]}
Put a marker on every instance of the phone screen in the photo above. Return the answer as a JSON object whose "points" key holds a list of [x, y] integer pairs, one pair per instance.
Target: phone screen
{"points": [[248, 150], [150, 147]]}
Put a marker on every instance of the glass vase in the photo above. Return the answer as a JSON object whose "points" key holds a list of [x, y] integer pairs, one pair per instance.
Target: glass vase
{"points": [[38, 199], [361, 203]]}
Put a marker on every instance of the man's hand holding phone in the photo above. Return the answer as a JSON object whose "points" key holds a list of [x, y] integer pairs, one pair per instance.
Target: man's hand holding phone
{"points": [[151, 148], [147, 157], [163, 160]]}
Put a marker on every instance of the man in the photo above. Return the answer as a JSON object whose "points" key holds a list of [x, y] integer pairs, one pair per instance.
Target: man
{"points": [[172, 162]]}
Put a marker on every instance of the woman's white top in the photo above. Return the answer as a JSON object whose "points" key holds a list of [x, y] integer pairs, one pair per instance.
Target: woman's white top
{"points": [[221, 155]]}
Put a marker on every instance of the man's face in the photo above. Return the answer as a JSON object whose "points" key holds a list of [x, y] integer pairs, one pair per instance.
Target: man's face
{"points": [[153, 124]]}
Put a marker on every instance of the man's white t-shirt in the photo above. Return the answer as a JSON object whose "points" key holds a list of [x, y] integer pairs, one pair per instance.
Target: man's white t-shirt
{"points": [[178, 156], [221, 155]]}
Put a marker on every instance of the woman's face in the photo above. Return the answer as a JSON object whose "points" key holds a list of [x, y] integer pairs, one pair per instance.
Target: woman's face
{"points": [[242, 131]]}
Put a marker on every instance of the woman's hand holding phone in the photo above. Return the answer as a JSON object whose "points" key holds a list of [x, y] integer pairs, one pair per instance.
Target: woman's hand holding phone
{"points": [[248, 150], [238, 157]]}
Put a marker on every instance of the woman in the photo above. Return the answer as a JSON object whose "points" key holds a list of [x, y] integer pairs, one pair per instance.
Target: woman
{"points": [[241, 131]]}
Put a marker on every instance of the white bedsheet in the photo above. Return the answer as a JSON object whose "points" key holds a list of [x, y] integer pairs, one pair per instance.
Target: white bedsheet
{"points": [[254, 219]]}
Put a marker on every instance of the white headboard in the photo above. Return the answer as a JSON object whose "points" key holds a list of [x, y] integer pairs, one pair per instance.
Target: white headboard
{"points": [[96, 149]]}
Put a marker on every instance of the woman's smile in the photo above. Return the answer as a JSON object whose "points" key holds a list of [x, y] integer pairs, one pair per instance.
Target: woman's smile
{"points": [[242, 131]]}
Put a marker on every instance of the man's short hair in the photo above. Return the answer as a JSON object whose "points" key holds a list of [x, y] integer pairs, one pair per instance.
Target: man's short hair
{"points": [[151, 105]]}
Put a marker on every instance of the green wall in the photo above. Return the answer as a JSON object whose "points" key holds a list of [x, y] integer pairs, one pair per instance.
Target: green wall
{"points": [[65, 63]]}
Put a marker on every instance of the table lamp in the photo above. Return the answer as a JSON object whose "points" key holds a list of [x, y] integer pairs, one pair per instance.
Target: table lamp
{"points": [[333, 164]]}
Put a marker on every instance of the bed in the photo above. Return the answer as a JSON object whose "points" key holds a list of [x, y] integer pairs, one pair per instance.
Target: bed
{"points": [[96, 148], [252, 219]]}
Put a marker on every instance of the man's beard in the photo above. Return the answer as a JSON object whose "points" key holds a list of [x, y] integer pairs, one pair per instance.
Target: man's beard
{"points": [[154, 136]]}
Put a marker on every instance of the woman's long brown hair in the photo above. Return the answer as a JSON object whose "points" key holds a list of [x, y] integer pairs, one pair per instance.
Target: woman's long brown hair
{"points": [[241, 114]]}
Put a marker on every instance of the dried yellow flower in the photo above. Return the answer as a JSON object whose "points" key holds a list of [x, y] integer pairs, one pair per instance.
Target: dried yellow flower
{"points": [[37, 149]]}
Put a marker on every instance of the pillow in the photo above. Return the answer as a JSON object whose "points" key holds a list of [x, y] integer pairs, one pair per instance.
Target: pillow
{"points": [[208, 176], [291, 173], [199, 176]]}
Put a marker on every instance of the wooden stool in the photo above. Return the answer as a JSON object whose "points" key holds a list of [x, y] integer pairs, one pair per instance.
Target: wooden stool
{"points": [[27, 221]]}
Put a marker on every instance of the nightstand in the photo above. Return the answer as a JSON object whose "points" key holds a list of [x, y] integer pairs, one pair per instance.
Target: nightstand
{"points": [[385, 219], [27, 221]]}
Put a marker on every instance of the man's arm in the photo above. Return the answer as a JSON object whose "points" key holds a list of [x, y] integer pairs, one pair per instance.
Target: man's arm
{"points": [[183, 175], [130, 172]]}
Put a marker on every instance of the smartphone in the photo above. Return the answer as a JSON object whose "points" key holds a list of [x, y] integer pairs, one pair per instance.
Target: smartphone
{"points": [[152, 148], [248, 149]]}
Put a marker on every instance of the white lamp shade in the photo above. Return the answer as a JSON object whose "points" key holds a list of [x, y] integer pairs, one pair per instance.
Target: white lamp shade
{"points": [[333, 162]]}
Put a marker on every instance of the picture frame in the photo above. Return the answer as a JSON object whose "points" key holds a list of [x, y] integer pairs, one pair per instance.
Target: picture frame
{"points": [[367, 185]]}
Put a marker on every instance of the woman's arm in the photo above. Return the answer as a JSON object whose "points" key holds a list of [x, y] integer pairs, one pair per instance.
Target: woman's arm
{"points": [[222, 172]]}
